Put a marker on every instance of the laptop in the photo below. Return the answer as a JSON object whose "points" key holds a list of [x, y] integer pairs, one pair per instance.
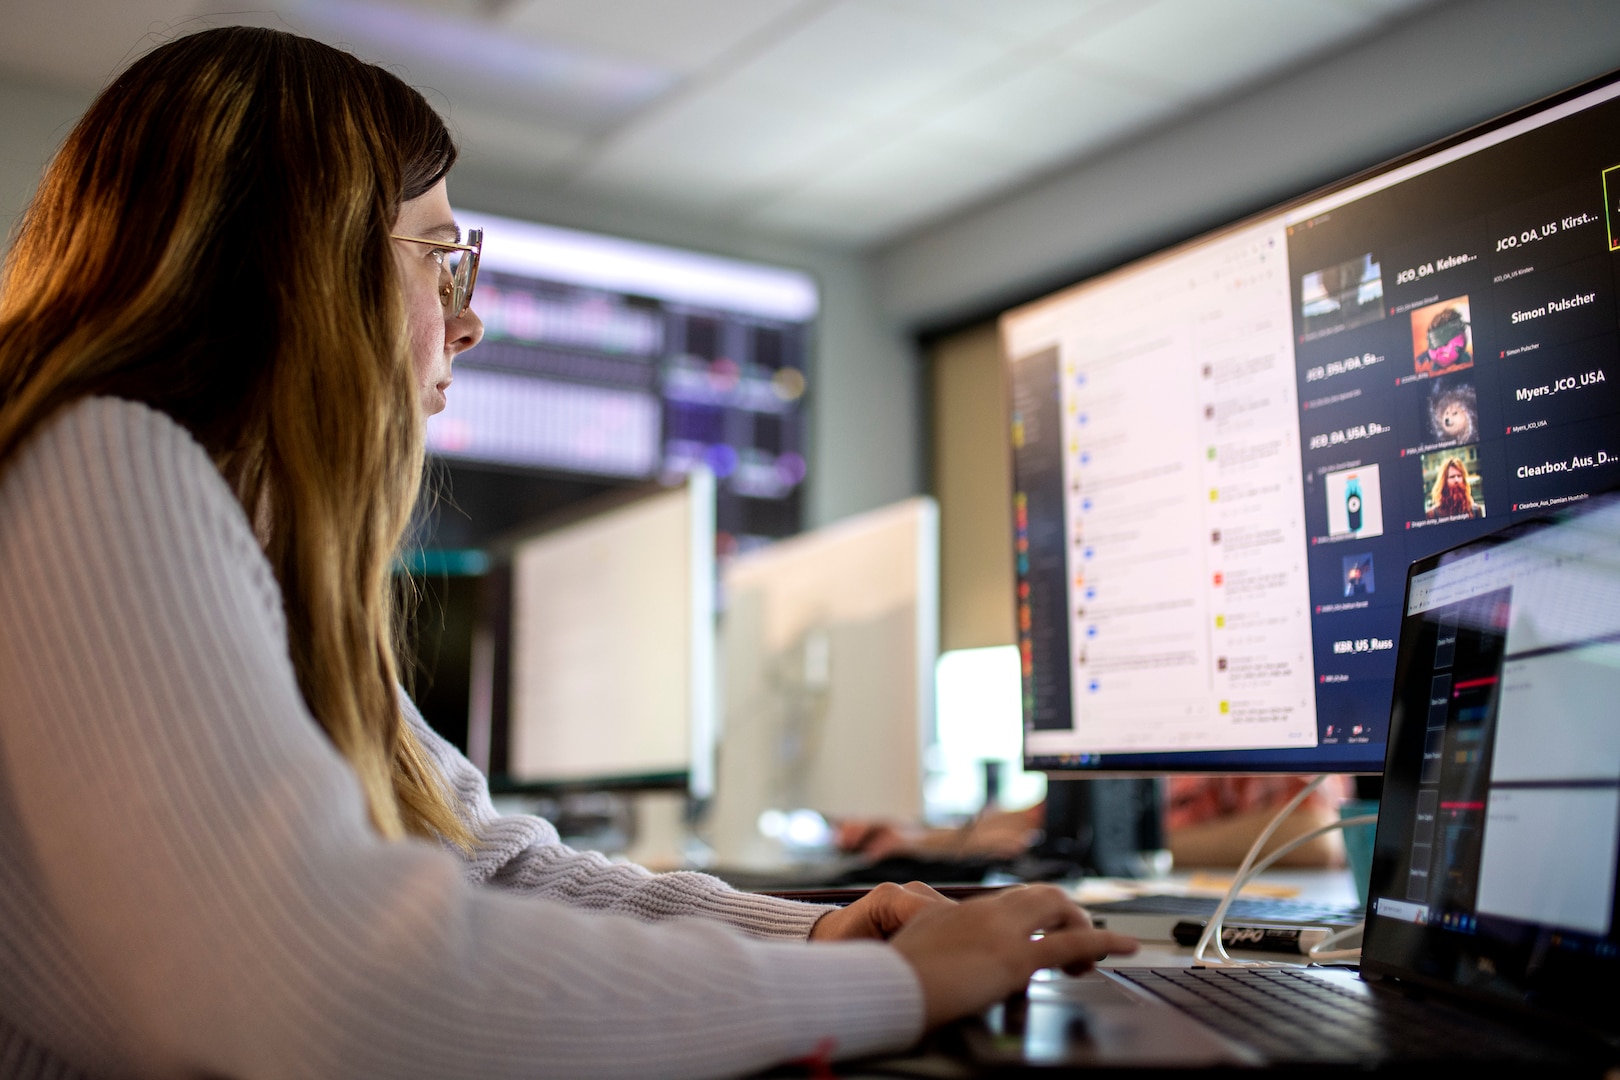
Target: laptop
{"points": [[1492, 928]]}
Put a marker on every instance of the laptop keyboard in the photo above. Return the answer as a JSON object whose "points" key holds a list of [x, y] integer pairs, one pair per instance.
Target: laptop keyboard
{"points": [[1289, 1016]]}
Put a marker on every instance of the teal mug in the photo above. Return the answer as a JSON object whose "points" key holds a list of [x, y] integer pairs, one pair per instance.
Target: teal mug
{"points": [[1358, 842]]}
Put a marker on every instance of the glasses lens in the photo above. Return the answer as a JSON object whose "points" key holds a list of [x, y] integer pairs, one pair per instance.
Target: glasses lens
{"points": [[464, 275]]}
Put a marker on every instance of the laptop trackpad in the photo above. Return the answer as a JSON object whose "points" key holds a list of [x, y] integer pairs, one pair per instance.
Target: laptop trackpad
{"points": [[1093, 1020]]}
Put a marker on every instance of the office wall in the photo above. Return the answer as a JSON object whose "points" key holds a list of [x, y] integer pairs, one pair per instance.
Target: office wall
{"points": [[865, 426], [971, 477], [1450, 66], [33, 121]]}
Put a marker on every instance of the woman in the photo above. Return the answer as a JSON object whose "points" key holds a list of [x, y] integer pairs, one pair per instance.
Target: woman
{"points": [[228, 845]]}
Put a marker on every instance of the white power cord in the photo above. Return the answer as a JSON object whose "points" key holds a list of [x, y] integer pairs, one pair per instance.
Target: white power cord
{"points": [[1252, 865]]}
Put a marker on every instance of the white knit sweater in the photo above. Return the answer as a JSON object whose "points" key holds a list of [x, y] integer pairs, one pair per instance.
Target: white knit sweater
{"points": [[189, 885]]}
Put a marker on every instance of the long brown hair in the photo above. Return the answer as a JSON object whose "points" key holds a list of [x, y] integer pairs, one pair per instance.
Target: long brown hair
{"points": [[212, 240]]}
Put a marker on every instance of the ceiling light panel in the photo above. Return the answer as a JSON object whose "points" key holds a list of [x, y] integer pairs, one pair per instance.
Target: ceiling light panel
{"points": [[475, 60]]}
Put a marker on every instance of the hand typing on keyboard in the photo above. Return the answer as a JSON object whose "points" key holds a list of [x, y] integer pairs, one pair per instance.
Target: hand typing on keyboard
{"points": [[972, 954]]}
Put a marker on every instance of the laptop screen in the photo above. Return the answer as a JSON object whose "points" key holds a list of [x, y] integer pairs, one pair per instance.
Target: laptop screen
{"points": [[1495, 868]]}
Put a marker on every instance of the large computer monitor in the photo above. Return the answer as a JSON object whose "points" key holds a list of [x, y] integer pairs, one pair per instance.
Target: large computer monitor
{"points": [[610, 658], [607, 361], [828, 646], [1226, 454]]}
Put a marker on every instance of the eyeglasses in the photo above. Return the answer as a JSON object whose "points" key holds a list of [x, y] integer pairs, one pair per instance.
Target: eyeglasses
{"points": [[460, 266]]}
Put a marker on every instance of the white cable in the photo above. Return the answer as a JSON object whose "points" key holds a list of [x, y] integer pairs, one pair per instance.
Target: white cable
{"points": [[1213, 930], [1321, 953], [1335, 826], [1247, 873]]}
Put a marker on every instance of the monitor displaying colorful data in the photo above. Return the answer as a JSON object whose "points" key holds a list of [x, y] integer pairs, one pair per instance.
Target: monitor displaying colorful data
{"points": [[613, 360], [1227, 454]]}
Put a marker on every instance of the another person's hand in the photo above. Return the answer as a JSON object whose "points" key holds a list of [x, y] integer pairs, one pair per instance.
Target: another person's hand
{"points": [[875, 839], [878, 914], [968, 956], [995, 834]]}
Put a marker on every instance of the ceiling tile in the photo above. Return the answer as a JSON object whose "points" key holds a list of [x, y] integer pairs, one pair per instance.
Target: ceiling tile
{"points": [[475, 61], [1210, 46], [906, 180], [720, 141], [866, 57], [84, 44], [503, 143], [1385, 8], [1049, 113], [685, 36], [833, 223], [843, 120], [1015, 22]]}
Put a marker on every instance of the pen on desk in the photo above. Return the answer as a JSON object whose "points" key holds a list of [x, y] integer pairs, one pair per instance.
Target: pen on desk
{"points": [[1284, 939]]}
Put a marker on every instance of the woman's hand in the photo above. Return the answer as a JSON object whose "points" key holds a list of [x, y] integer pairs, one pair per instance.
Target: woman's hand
{"points": [[970, 955], [878, 914]]}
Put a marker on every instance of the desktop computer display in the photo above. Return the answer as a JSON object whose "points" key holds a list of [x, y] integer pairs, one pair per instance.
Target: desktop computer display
{"points": [[610, 360], [828, 647], [1225, 455], [610, 660]]}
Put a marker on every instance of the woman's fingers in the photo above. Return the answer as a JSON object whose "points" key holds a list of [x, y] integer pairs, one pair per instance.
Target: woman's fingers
{"points": [[1077, 951], [878, 914], [975, 953]]}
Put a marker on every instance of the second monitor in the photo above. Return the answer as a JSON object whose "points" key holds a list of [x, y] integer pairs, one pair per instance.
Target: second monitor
{"points": [[611, 677], [828, 647]]}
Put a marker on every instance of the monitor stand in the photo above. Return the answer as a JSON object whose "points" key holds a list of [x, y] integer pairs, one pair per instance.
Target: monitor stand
{"points": [[660, 832], [1103, 827]]}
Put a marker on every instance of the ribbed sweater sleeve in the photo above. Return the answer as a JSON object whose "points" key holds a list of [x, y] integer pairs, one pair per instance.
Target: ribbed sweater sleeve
{"points": [[188, 882], [523, 854]]}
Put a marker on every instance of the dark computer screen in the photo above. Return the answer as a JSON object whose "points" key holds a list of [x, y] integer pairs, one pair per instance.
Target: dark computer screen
{"points": [[1495, 865], [1227, 454]]}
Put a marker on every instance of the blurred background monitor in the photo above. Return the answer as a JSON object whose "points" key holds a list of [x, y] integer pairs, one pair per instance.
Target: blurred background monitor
{"points": [[608, 361], [978, 737], [608, 668], [828, 651], [606, 365]]}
